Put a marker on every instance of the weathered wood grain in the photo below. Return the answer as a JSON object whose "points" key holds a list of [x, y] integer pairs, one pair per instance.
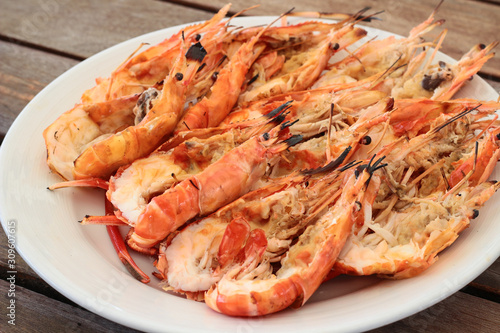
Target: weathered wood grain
{"points": [[63, 25], [56, 32], [468, 22], [37, 313], [34, 310], [23, 73], [488, 282], [83, 28], [453, 314]]}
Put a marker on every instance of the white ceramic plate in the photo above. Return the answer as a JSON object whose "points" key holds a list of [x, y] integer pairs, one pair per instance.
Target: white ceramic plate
{"points": [[80, 262]]}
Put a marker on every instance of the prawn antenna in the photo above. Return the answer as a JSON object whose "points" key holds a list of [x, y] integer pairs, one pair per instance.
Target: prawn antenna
{"points": [[350, 165], [360, 18], [288, 12], [241, 12], [387, 71], [330, 166], [443, 175], [339, 16], [377, 165], [370, 168], [454, 118]]}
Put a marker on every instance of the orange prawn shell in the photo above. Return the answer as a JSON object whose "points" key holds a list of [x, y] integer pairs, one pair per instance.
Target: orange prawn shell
{"points": [[309, 261], [203, 193]]}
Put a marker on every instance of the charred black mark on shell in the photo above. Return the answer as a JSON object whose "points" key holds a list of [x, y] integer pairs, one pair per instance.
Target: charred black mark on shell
{"points": [[431, 82], [279, 109], [279, 119], [286, 123], [192, 183], [292, 141], [196, 52]]}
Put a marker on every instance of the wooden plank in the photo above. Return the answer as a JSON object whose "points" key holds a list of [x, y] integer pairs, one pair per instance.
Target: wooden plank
{"points": [[451, 315], [37, 313], [20, 265], [23, 73], [83, 28], [489, 281], [454, 314], [468, 22]]}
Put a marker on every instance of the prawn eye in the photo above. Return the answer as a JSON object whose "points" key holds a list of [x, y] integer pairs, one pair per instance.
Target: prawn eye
{"points": [[366, 140], [475, 213], [197, 37], [265, 136], [358, 205], [179, 76], [498, 136], [214, 75]]}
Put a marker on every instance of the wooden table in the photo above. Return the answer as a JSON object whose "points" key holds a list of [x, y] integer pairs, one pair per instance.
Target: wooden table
{"points": [[40, 39]]}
